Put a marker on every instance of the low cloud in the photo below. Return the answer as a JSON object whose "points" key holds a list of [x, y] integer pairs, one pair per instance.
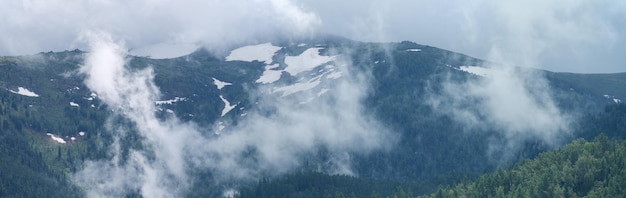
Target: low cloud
{"points": [[516, 103], [582, 35], [578, 36], [32, 26], [160, 169], [272, 139], [513, 99]]}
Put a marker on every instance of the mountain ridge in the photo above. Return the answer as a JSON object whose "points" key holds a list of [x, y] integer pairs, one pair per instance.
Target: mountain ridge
{"points": [[399, 78]]}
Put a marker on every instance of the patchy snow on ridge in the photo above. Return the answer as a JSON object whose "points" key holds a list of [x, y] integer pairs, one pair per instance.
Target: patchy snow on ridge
{"points": [[306, 61], [269, 75], [480, 71], [56, 139], [169, 102], [25, 92], [262, 52], [298, 87], [334, 75], [165, 50], [616, 100], [220, 84], [413, 50], [227, 106]]}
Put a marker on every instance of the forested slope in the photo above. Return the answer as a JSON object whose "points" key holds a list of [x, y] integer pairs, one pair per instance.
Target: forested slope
{"points": [[579, 169]]}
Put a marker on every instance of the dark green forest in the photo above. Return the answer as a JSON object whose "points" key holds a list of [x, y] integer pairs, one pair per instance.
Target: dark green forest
{"points": [[579, 169], [582, 168]]}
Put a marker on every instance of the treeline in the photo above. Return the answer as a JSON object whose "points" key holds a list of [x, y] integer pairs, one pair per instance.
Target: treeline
{"points": [[579, 169], [314, 184]]}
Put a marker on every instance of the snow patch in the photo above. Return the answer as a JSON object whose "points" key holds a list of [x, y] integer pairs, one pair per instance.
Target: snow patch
{"points": [[262, 52], [227, 106], [298, 87], [25, 92], [73, 104], [220, 84], [230, 193], [480, 71], [81, 133], [615, 100], [56, 139], [413, 50], [169, 102], [306, 61], [269, 75], [334, 75]]}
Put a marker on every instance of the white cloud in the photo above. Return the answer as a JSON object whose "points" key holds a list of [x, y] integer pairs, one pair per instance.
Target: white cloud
{"points": [[276, 139], [131, 95], [579, 35], [31, 26]]}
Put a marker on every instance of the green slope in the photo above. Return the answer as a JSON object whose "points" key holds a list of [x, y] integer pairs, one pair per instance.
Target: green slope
{"points": [[579, 169]]}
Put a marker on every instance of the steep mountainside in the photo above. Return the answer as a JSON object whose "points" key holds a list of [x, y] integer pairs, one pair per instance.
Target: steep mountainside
{"points": [[52, 123]]}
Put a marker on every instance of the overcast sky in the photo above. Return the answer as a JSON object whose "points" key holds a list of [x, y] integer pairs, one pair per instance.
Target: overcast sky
{"points": [[558, 35]]}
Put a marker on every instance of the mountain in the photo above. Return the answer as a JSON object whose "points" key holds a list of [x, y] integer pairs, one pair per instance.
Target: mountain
{"points": [[380, 111]]}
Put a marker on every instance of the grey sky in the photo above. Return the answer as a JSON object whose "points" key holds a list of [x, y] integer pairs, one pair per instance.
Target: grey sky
{"points": [[558, 35]]}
